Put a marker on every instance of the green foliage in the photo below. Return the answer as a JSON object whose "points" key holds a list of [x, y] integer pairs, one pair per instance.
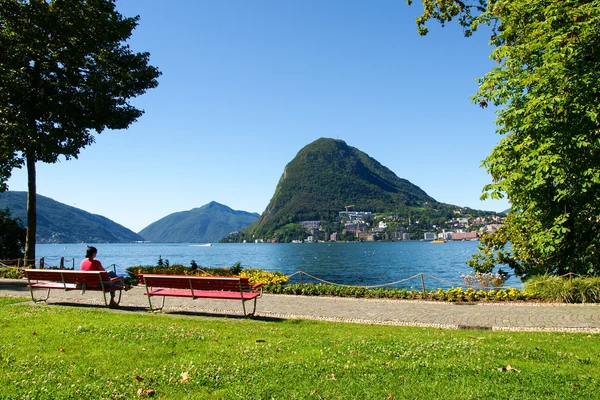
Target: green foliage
{"points": [[289, 232], [12, 236], [565, 289], [66, 72], [11, 273], [73, 352], [60, 223], [237, 268], [545, 85]]}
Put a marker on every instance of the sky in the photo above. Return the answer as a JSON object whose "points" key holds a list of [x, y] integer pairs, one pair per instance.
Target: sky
{"points": [[246, 84]]}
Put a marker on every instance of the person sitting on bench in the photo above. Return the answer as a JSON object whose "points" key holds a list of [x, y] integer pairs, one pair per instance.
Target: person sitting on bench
{"points": [[91, 264]]}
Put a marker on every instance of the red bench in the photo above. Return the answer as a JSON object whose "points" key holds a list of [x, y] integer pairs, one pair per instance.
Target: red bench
{"points": [[200, 287], [68, 280]]}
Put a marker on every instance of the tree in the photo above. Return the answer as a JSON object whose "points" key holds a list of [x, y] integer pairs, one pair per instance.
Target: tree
{"points": [[12, 237], [546, 85], [65, 72]]}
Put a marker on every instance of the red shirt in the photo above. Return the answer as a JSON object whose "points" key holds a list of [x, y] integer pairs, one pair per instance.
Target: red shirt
{"points": [[91, 265]]}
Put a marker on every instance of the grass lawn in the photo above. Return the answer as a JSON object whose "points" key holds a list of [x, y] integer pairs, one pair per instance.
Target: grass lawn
{"points": [[57, 352]]}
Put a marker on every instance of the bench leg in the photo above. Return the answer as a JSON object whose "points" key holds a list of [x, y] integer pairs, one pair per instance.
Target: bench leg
{"points": [[254, 309], [39, 300], [105, 302], [118, 301], [156, 309], [244, 307]]}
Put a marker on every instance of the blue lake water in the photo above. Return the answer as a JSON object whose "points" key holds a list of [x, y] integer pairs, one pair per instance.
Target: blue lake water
{"points": [[366, 264]]}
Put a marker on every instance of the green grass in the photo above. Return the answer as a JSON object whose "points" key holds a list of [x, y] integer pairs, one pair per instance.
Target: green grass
{"points": [[57, 352]]}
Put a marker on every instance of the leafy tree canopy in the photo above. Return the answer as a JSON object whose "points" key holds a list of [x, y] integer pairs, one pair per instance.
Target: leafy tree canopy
{"points": [[546, 85], [65, 72]]}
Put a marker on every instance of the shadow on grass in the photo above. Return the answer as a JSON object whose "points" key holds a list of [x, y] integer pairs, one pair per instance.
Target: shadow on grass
{"points": [[14, 285], [144, 310]]}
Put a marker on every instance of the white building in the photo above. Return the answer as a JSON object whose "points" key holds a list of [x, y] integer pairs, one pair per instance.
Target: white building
{"points": [[429, 236], [445, 235]]}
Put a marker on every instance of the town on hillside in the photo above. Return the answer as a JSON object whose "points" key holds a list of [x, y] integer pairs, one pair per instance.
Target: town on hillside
{"points": [[370, 227]]}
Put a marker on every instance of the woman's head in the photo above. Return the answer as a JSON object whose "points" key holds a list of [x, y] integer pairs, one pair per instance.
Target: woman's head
{"points": [[90, 252]]}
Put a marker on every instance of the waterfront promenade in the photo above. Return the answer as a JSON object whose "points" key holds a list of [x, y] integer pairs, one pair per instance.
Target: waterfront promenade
{"points": [[488, 316]]}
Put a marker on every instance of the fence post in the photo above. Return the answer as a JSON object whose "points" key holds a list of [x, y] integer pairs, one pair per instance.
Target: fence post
{"points": [[42, 263], [18, 263], [570, 279], [301, 279], [423, 284], [62, 263]]}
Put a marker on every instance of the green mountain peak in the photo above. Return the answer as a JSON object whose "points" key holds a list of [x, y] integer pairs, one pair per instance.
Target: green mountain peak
{"points": [[326, 176]]}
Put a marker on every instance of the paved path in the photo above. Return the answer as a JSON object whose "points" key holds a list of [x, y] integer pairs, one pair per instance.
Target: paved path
{"points": [[495, 316]]}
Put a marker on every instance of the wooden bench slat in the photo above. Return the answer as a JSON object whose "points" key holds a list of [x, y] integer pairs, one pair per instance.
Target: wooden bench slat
{"points": [[69, 280], [72, 286], [90, 278], [205, 294]]}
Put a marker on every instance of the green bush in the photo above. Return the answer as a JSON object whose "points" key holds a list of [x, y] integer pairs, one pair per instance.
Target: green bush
{"points": [[11, 273], [564, 290]]}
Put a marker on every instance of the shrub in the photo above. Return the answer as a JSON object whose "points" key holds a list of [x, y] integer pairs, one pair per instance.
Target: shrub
{"points": [[11, 273], [564, 289]]}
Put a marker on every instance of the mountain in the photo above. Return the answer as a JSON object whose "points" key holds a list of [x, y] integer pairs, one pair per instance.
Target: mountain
{"points": [[326, 176], [60, 223], [206, 224]]}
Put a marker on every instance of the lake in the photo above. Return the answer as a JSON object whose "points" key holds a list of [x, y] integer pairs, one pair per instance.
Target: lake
{"points": [[364, 263]]}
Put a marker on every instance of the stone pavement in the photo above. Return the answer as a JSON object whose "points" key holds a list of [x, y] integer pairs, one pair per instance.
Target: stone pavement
{"points": [[488, 316]]}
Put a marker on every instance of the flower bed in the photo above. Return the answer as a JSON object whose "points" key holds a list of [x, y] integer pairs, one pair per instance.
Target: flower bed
{"points": [[453, 294]]}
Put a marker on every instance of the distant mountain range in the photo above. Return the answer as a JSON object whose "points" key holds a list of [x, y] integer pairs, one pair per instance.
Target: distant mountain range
{"points": [[60, 223], [206, 224], [326, 176]]}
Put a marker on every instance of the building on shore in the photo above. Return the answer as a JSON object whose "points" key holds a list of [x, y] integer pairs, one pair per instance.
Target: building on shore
{"points": [[429, 236], [465, 236]]}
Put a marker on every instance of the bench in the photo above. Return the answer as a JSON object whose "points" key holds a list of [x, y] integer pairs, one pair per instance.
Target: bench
{"points": [[200, 287], [68, 280]]}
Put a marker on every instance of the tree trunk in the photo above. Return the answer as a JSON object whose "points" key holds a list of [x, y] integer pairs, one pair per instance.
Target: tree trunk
{"points": [[31, 211]]}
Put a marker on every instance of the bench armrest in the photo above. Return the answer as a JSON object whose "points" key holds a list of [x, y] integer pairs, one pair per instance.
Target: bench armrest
{"points": [[257, 286], [116, 279]]}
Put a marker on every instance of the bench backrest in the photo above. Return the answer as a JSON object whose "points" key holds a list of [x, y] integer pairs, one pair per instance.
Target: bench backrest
{"points": [[90, 278], [218, 283]]}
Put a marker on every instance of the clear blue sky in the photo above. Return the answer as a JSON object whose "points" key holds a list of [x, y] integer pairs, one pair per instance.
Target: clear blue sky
{"points": [[247, 84]]}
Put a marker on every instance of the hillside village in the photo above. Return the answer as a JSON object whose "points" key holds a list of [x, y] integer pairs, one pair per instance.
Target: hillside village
{"points": [[370, 227]]}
